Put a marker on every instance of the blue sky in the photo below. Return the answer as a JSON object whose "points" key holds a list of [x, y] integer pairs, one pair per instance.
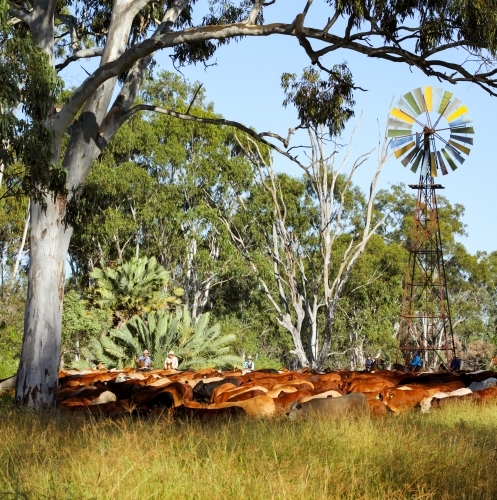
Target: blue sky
{"points": [[245, 86]]}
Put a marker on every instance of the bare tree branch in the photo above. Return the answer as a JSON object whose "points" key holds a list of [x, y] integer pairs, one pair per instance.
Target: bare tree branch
{"points": [[80, 54]]}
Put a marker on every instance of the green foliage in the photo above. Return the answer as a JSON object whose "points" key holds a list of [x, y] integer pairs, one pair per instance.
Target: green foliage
{"points": [[27, 81], [197, 345], [321, 102], [11, 329], [441, 21], [135, 287], [160, 189], [369, 309], [80, 322]]}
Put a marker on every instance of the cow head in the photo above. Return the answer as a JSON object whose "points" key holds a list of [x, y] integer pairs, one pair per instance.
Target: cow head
{"points": [[295, 409]]}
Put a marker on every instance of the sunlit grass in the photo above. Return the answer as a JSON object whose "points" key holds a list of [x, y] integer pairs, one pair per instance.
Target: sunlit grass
{"points": [[444, 455]]}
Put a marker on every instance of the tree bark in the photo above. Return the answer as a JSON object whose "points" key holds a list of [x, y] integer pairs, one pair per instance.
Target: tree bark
{"points": [[23, 242], [37, 378]]}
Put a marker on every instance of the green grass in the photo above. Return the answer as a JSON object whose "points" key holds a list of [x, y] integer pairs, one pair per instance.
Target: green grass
{"points": [[445, 455]]}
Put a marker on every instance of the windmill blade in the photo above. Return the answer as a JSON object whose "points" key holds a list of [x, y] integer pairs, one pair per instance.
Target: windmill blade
{"points": [[403, 106], [424, 166], [410, 156], [428, 98], [402, 115], [437, 98], [397, 132], [450, 161], [412, 102], [444, 102], [461, 121], [393, 124], [453, 105], [401, 140], [443, 168], [457, 113], [433, 165], [462, 130], [460, 147], [404, 149], [418, 95], [460, 138], [417, 161], [455, 154]]}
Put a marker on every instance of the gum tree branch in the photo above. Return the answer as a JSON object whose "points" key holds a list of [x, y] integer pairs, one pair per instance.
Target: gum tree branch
{"points": [[80, 54]]}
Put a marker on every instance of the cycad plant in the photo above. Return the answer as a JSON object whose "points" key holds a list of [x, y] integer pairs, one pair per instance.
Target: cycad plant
{"points": [[135, 287], [196, 345]]}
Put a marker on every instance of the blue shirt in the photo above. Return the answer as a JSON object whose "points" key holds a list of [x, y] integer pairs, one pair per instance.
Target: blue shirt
{"points": [[416, 361], [146, 360], [248, 365]]}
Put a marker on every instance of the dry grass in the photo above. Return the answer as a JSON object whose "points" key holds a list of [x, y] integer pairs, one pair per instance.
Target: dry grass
{"points": [[444, 455]]}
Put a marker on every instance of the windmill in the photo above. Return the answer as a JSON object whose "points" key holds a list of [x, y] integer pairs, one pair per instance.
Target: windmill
{"points": [[430, 131]]}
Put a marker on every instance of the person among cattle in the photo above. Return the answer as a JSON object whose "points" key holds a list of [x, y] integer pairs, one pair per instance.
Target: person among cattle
{"points": [[369, 364], [416, 363], [379, 363], [249, 364], [171, 362], [455, 364], [144, 361]]}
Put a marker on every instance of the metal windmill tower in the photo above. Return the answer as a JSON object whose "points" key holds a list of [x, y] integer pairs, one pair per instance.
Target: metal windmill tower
{"points": [[419, 137]]}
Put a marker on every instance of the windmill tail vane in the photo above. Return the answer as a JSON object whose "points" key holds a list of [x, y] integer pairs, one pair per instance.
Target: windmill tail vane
{"points": [[431, 128]]}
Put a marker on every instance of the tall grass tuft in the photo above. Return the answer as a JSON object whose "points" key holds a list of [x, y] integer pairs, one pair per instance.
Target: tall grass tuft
{"points": [[444, 455]]}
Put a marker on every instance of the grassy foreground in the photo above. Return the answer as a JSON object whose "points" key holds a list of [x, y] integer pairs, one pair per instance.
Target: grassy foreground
{"points": [[445, 455]]}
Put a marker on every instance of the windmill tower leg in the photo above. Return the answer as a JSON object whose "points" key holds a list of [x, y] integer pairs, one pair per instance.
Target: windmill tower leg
{"points": [[425, 324]]}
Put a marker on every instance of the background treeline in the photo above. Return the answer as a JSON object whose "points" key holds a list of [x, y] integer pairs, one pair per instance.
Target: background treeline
{"points": [[165, 198]]}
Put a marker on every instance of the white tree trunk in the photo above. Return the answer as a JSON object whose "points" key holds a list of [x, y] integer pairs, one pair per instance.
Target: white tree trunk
{"points": [[37, 378], [23, 242]]}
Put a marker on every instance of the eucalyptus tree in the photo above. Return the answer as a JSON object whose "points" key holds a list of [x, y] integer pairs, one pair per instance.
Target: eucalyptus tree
{"points": [[124, 36], [312, 263]]}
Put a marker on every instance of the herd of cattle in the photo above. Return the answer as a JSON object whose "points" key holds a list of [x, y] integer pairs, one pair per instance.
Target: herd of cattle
{"points": [[210, 393]]}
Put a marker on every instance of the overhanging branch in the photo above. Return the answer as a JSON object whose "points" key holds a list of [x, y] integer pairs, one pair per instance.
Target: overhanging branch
{"points": [[213, 121]]}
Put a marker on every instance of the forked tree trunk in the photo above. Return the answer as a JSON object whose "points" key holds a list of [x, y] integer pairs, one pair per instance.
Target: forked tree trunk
{"points": [[37, 378]]}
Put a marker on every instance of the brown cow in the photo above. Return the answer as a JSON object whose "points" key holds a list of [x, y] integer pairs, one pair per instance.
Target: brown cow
{"points": [[251, 393], [260, 406], [398, 400], [373, 385], [487, 395], [438, 386], [276, 393], [377, 408], [224, 396], [220, 389], [283, 403]]}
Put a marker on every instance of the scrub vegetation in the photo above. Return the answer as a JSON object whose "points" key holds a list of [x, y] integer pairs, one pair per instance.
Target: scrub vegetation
{"points": [[442, 455]]}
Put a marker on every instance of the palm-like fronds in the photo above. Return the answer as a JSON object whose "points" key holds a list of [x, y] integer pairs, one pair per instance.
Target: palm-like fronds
{"points": [[196, 345], [135, 287]]}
